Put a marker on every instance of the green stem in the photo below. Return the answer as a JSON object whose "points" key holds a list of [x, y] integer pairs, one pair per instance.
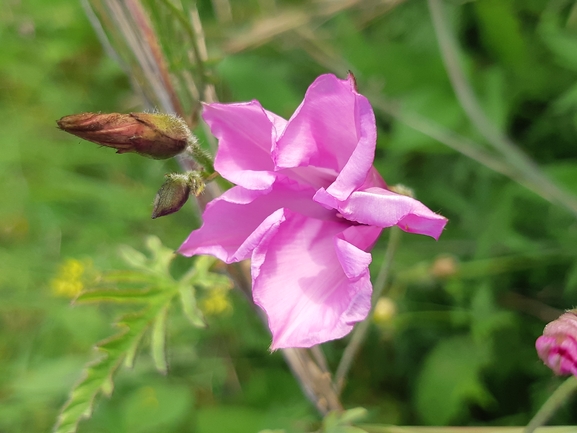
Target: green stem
{"points": [[181, 17], [556, 400], [361, 329], [525, 166], [201, 156]]}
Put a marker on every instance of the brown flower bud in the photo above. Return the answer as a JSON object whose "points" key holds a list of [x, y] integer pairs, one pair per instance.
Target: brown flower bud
{"points": [[175, 191], [154, 135]]}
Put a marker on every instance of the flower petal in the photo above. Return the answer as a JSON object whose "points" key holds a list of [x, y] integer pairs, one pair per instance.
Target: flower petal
{"points": [[232, 222], [383, 208], [334, 128], [311, 281], [246, 134], [359, 167], [558, 352]]}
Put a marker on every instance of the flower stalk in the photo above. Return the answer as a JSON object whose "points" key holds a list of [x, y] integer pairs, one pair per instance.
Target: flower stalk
{"points": [[553, 403]]}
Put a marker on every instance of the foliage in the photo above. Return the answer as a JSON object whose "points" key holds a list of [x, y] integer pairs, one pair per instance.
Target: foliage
{"points": [[154, 299], [456, 345]]}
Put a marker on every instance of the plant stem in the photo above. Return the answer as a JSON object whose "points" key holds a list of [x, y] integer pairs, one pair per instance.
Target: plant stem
{"points": [[181, 17], [361, 329], [558, 398], [526, 167], [201, 156], [145, 28]]}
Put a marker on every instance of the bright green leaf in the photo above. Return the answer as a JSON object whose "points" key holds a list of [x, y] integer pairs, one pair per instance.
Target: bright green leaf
{"points": [[450, 379], [158, 341]]}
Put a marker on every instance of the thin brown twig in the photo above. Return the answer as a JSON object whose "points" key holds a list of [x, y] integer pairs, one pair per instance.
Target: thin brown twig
{"points": [[265, 29], [147, 72], [209, 90], [149, 35], [315, 383], [319, 357], [186, 25]]}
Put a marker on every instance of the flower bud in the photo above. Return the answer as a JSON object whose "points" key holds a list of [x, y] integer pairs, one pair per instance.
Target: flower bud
{"points": [[175, 192], [557, 347], [155, 135]]}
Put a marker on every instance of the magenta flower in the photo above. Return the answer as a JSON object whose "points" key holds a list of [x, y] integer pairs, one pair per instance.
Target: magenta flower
{"points": [[557, 347], [307, 209]]}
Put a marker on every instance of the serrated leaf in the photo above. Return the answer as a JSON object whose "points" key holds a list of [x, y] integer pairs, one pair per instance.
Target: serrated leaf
{"points": [[130, 356], [159, 262], [189, 306], [115, 295], [161, 255], [132, 257], [98, 375], [158, 341], [123, 347], [129, 277]]}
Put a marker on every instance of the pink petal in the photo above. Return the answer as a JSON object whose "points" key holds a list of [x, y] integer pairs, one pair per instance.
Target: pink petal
{"points": [[232, 222], [333, 129], [228, 222], [383, 208], [360, 164], [311, 281], [246, 134], [564, 324], [558, 352]]}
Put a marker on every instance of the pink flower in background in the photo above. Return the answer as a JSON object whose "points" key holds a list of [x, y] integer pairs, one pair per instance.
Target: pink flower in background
{"points": [[307, 209], [557, 347]]}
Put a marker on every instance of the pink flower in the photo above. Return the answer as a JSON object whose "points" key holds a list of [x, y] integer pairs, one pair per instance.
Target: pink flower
{"points": [[307, 209], [557, 347]]}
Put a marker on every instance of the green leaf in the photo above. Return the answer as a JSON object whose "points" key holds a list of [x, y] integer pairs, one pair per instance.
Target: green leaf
{"points": [[158, 264], [450, 379], [158, 343], [133, 257], [354, 415], [115, 295], [203, 277], [335, 422], [561, 42], [153, 271], [98, 375], [189, 306]]}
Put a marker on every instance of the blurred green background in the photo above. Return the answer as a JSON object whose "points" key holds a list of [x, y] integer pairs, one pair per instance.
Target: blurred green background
{"points": [[453, 342]]}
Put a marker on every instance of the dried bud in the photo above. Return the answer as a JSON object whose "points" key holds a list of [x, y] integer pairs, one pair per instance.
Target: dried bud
{"points": [[154, 135], [175, 192], [444, 267], [557, 347]]}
